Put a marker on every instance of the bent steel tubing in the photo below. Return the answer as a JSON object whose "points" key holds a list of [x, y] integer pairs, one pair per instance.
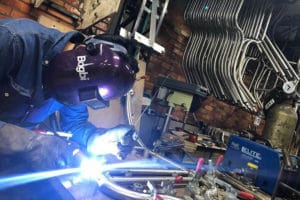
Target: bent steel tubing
{"points": [[272, 60], [229, 73], [218, 30], [217, 33], [104, 181], [262, 47], [209, 75], [278, 58], [186, 15], [196, 60], [266, 24], [236, 48], [258, 68], [224, 63], [260, 15], [155, 171], [200, 60], [282, 56], [224, 68], [247, 59], [238, 38], [236, 16], [185, 61], [256, 86], [240, 76], [147, 178], [218, 68], [263, 90], [193, 52], [249, 101], [214, 69]]}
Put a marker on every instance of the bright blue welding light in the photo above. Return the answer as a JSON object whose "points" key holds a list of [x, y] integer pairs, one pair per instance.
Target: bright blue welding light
{"points": [[91, 168], [104, 144], [206, 7], [7, 182]]}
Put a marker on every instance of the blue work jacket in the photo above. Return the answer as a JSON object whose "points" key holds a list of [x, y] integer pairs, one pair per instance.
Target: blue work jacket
{"points": [[26, 47]]}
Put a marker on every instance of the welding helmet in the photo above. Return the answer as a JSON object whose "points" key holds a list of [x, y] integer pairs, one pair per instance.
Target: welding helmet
{"points": [[93, 73]]}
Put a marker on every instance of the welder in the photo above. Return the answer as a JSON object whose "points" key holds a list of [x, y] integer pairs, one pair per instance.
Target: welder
{"points": [[42, 71]]}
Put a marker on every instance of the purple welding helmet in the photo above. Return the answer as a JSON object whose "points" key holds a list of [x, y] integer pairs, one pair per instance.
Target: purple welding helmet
{"points": [[93, 74]]}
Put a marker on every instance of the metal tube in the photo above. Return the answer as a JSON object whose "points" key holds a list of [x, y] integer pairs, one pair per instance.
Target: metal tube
{"points": [[297, 192], [168, 161], [146, 178], [283, 59], [167, 120], [163, 13], [153, 22], [128, 107], [139, 141], [104, 181], [139, 17], [150, 171]]}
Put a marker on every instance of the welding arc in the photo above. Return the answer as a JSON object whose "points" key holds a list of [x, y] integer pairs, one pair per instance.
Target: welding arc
{"points": [[13, 181]]}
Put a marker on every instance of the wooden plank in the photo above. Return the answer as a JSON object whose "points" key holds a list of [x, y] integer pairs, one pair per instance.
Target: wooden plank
{"points": [[53, 23]]}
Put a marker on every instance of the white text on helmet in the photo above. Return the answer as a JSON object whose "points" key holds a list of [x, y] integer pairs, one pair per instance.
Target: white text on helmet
{"points": [[80, 68]]}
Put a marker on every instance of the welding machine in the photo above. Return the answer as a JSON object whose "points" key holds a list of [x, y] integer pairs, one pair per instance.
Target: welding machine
{"points": [[261, 166], [255, 162]]}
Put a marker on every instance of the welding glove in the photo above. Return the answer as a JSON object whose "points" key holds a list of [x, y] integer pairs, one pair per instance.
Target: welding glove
{"points": [[22, 152], [39, 151], [117, 141]]}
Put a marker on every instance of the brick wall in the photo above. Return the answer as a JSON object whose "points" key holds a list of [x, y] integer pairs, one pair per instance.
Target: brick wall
{"points": [[26, 9], [16, 9], [174, 36], [220, 114]]}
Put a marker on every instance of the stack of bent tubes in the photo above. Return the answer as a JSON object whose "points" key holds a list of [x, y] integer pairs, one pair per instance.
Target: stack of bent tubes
{"points": [[230, 53]]}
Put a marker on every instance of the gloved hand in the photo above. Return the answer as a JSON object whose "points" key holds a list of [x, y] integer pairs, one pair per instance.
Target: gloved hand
{"points": [[117, 141], [39, 151]]}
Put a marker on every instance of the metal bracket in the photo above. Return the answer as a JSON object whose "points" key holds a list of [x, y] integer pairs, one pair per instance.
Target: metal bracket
{"points": [[148, 7], [37, 3]]}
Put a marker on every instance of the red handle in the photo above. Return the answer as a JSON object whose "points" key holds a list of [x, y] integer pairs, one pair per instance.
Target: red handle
{"points": [[199, 165], [219, 160], [178, 179], [246, 195]]}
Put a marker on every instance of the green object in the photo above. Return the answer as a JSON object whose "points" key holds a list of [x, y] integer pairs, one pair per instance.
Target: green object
{"points": [[180, 98]]}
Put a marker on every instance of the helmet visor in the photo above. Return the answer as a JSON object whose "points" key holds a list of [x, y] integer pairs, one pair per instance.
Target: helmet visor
{"points": [[91, 97]]}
